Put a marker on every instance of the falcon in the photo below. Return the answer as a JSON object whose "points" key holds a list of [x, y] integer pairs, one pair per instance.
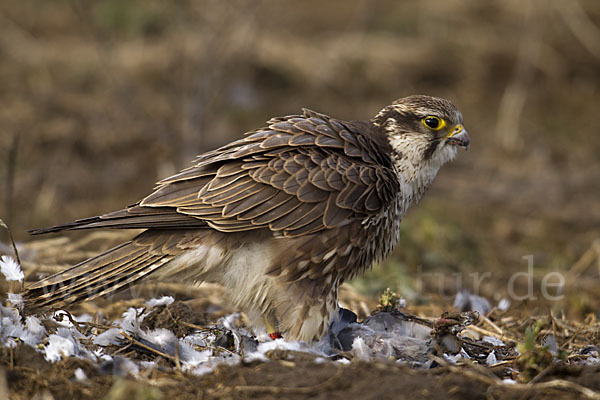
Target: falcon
{"points": [[281, 218]]}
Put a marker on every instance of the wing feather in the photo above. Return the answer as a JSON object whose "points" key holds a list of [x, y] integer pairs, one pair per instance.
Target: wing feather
{"points": [[240, 195], [291, 217], [309, 193], [266, 206], [277, 212], [220, 182], [335, 215], [238, 207]]}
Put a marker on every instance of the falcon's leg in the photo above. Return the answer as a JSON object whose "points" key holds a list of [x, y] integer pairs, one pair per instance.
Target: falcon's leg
{"points": [[271, 324]]}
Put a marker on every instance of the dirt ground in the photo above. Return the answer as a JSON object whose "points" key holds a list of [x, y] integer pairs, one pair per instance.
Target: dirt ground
{"points": [[272, 381], [25, 374], [100, 99]]}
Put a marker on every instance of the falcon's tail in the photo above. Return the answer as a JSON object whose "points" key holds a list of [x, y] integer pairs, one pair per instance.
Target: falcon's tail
{"points": [[105, 273]]}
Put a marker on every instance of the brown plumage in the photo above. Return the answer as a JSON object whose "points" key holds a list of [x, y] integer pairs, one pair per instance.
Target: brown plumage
{"points": [[281, 217]]}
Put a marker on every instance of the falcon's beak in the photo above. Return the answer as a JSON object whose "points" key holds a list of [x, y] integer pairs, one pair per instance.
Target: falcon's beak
{"points": [[459, 136]]}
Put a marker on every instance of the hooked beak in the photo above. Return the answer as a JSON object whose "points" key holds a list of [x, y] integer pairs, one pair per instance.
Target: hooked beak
{"points": [[459, 136]]}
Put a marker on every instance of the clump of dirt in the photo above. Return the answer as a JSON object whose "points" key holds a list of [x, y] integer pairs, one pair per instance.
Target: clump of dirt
{"points": [[28, 373], [23, 356], [178, 317]]}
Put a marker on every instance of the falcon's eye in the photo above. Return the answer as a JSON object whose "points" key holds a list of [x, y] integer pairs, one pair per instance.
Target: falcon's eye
{"points": [[433, 122]]}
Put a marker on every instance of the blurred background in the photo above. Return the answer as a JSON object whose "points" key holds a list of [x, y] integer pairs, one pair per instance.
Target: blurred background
{"points": [[100, 99]]}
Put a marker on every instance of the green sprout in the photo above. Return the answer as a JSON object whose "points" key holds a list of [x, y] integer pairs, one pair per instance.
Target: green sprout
{"points": [[388, 301]]}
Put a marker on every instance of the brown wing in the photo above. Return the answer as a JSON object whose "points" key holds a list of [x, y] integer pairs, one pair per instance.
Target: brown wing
{"points": [[300, 175]]}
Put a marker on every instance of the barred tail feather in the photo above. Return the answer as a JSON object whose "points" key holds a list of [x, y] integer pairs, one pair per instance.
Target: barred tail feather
{"points": [[103, 274]]}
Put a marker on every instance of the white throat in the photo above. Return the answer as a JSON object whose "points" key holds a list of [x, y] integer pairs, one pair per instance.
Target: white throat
{"points": [[415, 174]]}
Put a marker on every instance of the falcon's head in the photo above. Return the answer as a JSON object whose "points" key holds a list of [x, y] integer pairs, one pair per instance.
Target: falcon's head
{"points": [[423, 131]]}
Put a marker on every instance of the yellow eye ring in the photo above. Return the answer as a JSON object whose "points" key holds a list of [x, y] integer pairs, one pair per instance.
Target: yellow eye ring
{"points": [[433, 122]]}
